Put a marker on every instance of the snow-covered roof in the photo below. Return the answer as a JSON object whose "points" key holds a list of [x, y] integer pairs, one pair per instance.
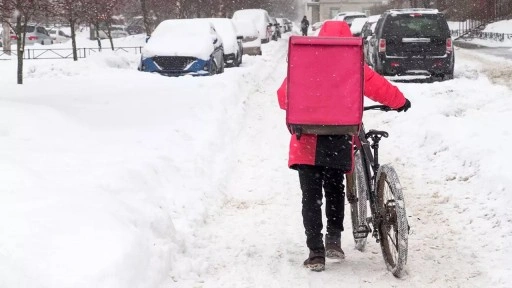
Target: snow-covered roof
{"points": [[249, 13], [357, 25], [350, 13], [373, 18], [414, 10], [226, 30], [181, 37]]}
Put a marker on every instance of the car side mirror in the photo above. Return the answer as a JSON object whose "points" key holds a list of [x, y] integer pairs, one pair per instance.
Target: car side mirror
{"points": [[239, 37], [215, 40], [147, 38]]}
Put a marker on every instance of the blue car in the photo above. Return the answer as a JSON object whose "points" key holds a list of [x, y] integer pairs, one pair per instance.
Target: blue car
{"points": [[183, 47]]}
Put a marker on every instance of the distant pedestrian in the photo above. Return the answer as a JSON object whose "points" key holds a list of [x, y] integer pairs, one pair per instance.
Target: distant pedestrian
{"points": [[304, 25]]}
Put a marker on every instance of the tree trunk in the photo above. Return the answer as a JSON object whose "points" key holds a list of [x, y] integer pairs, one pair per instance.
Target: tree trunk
{"points": [[109, 34], [145, 17], [97, 28], [73, 38], [20, 45]]}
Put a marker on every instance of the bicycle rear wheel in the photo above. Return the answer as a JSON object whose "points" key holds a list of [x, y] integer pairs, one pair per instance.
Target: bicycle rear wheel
{"points": [[393, 229], [358, 186]]}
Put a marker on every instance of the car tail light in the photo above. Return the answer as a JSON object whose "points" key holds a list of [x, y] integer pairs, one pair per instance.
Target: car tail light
{"points": [[382, 45], [14, 37], [31, 38], [395, 64], [449, 45]]}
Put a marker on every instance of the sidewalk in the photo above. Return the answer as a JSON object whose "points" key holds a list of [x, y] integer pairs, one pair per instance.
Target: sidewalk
{"points": [[503, 52]]}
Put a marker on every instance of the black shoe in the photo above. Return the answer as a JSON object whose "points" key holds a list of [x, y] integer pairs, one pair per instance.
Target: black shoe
{"points": [[333, 248], [316, 260]]}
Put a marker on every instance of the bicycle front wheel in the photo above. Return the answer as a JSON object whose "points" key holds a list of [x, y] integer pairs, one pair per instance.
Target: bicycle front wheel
{"points": [[359, 187], [393, 228]]}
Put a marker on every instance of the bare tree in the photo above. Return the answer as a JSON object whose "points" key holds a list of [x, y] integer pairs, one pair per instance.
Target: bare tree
{"points": [[18, 13], [69, 11]]}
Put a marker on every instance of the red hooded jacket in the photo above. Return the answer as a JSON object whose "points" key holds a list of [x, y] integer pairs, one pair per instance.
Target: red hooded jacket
{"points": [[336, 151]]}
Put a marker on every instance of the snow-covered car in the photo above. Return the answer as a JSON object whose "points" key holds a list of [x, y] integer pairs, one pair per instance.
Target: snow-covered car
{"points": [[250, 37], [367, 33], [59, 35], [276, 31], [282, 25], [288, 23], [35, 34], [260, 18], [357, 26], [183, 47], [317, 25], [349, 16], [116, 31], [233, 47]]}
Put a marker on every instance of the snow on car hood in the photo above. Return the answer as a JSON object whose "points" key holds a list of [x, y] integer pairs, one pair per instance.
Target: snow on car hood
{"points": [[199, 47]]}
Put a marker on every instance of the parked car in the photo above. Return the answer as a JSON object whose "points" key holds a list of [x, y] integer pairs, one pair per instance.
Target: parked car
{"points": [[317, 25], [260, 18], [135, 29], [282, 25], [412, 41], [183, 47], [59, 35], [357, 26], [116, 31], [276, 31], [349, 17], [233, 48], [367, 32], [35, 34], [288, 24], [250, 37]]}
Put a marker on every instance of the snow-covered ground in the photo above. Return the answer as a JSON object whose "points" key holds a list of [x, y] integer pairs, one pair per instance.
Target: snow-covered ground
{"points": [[115, 178]]}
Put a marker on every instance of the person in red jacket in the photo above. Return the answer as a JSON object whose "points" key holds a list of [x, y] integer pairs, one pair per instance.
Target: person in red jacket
{"points": [[323, 160]]}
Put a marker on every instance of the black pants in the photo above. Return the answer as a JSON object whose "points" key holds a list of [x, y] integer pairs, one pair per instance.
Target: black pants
{"points": [[304, 31], [312, 179]]}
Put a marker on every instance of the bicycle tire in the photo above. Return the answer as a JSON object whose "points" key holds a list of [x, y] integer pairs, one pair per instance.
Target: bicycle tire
{"points": [[393, 227], [359, 208]]}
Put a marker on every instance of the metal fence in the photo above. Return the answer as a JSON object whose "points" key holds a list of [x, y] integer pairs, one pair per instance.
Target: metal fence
{"points": [[482, 35], [66, 53]]}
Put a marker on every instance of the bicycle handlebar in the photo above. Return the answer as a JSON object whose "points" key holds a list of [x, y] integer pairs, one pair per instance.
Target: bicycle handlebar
{"points": [[379, 107]]}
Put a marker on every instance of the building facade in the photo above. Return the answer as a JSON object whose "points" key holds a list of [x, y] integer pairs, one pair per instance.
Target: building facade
{"points": [[321, 10]]}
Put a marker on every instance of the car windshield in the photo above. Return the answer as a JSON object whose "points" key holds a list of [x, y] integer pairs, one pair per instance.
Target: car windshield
{"points": [[411, 26]]}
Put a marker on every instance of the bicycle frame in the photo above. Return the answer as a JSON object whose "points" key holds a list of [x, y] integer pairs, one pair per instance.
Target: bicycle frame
{"points": [[371, 165]]}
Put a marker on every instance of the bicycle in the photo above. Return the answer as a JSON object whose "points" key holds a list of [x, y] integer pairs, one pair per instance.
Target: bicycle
{"points": [[375, 186]]}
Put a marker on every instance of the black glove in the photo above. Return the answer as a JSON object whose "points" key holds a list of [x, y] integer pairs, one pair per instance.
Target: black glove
{"points": [[405, 107]]}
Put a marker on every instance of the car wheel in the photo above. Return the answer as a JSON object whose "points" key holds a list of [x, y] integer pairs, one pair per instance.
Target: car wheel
{"points": [[448, 76], [221, 69], [240, 59], [42, 42], [213, 67]]}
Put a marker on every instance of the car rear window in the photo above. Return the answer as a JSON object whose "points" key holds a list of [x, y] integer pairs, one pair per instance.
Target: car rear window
{"points": [[30, 29], [414, 26]]}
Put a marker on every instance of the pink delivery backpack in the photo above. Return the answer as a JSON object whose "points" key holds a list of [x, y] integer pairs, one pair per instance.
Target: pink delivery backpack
{"points": [[325, 85]]}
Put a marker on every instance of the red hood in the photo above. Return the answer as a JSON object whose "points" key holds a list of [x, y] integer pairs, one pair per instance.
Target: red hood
{"points": [[335, 29]]}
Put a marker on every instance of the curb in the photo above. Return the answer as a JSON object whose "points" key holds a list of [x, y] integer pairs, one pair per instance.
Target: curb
{"points": [[467, 45]]}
